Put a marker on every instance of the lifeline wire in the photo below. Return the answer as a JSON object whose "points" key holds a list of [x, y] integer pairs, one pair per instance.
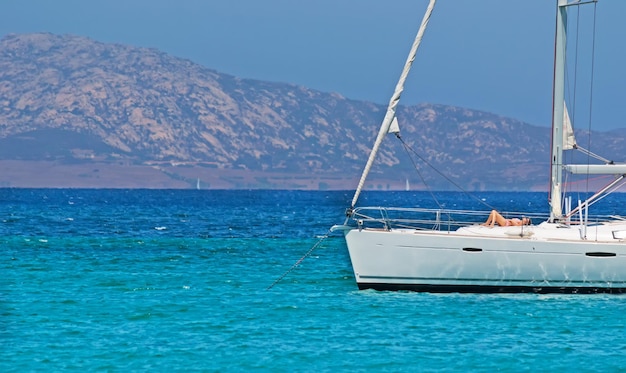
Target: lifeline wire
{"points": [[299, 260]]}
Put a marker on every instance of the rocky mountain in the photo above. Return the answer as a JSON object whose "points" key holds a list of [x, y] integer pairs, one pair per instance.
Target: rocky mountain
{"points": [[75, 112]]}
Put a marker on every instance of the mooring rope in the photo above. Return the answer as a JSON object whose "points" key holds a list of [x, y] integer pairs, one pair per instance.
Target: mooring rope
{"points": [[300, 260]]}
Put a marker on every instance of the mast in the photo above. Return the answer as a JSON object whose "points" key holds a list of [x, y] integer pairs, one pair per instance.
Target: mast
{"points": [[390, 115], [558, 108]]}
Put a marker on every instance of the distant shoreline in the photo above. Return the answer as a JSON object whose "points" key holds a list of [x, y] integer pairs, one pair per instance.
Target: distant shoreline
{"points": [[97, 175]]}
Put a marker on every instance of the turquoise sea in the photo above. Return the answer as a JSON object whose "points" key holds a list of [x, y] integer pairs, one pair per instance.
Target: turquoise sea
{"points": [[175, 280]]}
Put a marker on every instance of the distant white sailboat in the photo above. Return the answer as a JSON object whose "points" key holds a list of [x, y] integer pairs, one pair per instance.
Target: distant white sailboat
{"points": [[440, 250], [407, 186], [198, 184]]}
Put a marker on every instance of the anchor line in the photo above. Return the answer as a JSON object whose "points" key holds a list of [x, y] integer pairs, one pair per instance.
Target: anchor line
{"points": [[300, 260]]}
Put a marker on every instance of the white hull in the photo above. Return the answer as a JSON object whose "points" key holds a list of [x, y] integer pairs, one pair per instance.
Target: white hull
{"points": [[545, 258]]}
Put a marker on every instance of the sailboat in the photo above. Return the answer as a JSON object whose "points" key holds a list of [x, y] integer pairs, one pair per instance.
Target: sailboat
{"points": [[439, 250]]}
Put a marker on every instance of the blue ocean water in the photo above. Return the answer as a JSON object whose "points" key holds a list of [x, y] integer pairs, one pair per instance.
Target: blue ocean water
{"points": [[176, 280]]}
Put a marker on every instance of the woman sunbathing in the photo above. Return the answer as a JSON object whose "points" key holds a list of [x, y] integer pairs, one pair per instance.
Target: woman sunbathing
{"points": [[496, 218]]}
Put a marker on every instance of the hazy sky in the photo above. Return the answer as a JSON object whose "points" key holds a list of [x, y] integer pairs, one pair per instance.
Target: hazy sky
{"points": [[493, 55]]}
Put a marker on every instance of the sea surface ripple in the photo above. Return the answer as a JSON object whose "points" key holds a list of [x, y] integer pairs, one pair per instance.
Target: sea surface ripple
{"points": [[165, 280]]}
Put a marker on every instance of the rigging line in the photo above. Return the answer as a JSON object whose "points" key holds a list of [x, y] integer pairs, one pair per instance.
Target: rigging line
{"points": [[447, 178], [576, 54], [406, 149], [593, 60], [577, 43], [571, 92], [300, 260], [593, 155], [601, 194]]}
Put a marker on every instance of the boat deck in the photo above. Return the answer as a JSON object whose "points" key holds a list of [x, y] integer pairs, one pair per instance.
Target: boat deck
{"points": [[469, 223]]}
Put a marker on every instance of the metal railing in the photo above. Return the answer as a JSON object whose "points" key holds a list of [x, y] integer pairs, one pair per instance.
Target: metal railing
{"points": [[427, 219]]}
